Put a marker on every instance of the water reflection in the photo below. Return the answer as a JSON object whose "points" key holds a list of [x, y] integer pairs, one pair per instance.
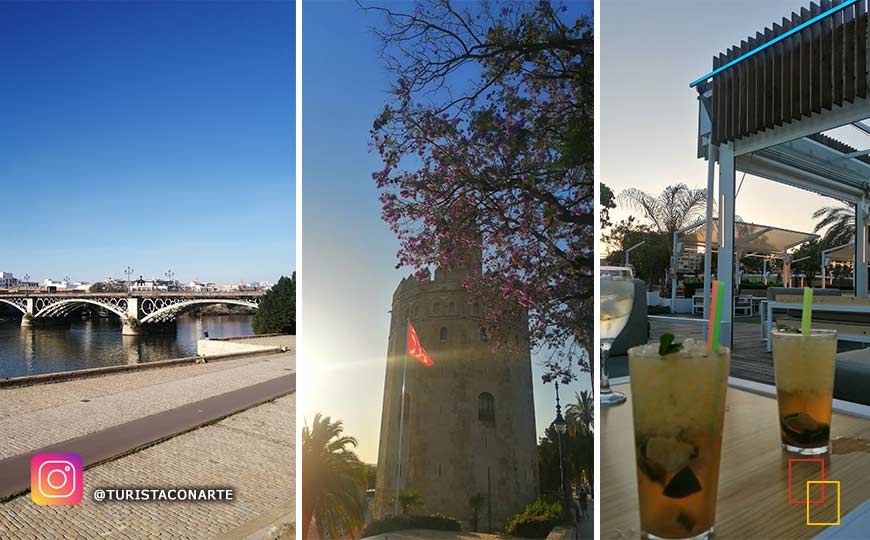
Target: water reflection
{"points": [[98, 342]]}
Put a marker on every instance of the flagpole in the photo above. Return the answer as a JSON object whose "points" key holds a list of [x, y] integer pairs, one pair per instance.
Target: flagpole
{"points": [[401, 423]]}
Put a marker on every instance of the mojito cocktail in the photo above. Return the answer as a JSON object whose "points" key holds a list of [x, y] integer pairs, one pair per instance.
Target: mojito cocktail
{"points": [[804, 370], [678, 401]]}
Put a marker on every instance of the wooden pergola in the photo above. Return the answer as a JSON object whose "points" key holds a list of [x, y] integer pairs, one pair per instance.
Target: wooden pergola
{"points": [[767, 109]]}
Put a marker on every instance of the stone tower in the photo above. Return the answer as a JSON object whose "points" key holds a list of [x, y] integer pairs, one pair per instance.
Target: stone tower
{"points": [[469, 420]]}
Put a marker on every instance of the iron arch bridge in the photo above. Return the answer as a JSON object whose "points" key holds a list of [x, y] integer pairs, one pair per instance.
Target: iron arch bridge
{"points": [[136, 311]]}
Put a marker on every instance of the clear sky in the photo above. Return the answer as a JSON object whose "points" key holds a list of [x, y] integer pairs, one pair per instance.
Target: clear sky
{"points": [[650, 51], [155, 135], [349, 253]]}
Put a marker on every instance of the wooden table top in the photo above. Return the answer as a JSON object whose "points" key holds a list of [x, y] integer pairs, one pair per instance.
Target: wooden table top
{"points": [[753, 477]]}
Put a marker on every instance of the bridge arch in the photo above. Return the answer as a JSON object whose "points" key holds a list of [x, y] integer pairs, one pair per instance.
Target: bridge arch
{"points": [[61, 308], [13, 304], [171, 311]]}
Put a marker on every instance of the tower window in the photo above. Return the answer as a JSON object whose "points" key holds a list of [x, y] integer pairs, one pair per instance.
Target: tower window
{"points": [[443, 335], [486, 407]]}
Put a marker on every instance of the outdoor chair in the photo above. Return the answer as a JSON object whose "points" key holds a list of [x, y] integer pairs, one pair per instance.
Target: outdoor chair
{"points": [[636, 331], [852, 379]]}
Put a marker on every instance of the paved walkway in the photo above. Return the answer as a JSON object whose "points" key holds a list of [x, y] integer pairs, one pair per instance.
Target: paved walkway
{"points": [[117, 440], [253, 452], [42, 415]]}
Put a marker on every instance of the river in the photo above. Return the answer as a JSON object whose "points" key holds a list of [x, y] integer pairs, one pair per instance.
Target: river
{"points": [[98, 342]]}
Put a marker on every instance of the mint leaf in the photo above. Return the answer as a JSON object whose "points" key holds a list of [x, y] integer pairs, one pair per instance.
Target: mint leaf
{"points": [[667, 345]]}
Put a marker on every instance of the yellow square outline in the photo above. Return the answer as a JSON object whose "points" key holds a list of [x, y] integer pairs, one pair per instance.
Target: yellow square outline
{"points": [[813, 523]]}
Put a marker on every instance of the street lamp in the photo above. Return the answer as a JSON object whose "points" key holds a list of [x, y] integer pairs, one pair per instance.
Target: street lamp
{"points": [[561, 426], [26, 285], [129, 272]]}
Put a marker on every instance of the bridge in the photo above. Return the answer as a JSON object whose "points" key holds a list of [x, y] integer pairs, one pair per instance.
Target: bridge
{"points": [[137, 311]]}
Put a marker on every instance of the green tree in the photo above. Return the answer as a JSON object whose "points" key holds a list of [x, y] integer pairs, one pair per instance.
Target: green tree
{"points": [[608, 203], [333, 481], [839, 222], [581, 414], [277, 312], [651, 261], [675, 207], [811, 266], [409, 499]]}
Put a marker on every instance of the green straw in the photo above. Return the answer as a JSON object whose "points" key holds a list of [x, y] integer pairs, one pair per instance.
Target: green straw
{"points": [[715, 316], [807, 315]]}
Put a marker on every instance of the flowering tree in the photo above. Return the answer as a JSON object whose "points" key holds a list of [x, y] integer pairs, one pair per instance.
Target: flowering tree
{"points": [[487, 145]]}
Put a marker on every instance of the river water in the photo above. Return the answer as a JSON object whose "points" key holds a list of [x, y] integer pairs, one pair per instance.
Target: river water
{"points": [[98, 342]]}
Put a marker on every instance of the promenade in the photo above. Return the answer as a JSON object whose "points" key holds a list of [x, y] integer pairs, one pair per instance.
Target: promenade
{"points": [[105, 417]]}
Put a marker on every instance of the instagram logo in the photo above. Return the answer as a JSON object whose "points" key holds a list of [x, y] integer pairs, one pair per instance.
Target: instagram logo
{"points": [[56, 479]]}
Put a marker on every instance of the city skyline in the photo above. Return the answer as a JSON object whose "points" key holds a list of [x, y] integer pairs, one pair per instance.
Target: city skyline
{"points": [[154, 136]]}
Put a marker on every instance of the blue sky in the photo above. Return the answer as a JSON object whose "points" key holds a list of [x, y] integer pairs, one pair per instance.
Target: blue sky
{"points": [[157, 135], [349, 254]]}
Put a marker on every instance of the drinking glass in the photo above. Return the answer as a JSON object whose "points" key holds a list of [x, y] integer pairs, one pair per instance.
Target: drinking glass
{"points": [[678, 405], [616, 298], [804, 369]]}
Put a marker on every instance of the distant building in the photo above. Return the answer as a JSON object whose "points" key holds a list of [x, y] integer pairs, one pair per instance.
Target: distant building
{"points": [[7, 280], [153, 285], [690, 262]]}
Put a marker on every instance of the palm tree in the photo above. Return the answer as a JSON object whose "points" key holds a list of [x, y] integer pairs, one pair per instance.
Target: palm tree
{"points": [[840, 222], [580, 415], [674, 208], [333, 481]]}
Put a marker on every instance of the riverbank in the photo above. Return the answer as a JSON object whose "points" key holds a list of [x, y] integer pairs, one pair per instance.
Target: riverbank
{"points": [[114, 421], [36, 416]]}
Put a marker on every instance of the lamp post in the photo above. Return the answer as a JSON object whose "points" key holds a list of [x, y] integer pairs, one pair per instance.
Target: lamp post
{"points": [[169, 275], [26, 285], [561, 426], [129, 272]]}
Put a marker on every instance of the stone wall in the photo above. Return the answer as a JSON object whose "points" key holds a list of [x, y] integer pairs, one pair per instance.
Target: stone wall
{"points": [[450, 452]]}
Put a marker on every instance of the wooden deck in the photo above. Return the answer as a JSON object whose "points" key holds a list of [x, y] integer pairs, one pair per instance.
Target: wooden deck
{"points": [[749, 357]]}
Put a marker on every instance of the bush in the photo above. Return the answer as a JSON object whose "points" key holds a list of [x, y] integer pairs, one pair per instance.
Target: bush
{"points": [[537, 520], [388, 523]]}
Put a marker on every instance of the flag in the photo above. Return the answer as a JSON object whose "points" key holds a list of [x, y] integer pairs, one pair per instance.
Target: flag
{"points": [[415, 349]]}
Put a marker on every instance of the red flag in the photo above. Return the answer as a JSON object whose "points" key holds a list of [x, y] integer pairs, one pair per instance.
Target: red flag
{"points": [[416, 350]]}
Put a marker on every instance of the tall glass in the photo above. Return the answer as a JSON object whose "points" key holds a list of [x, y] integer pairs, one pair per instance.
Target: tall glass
{"points": [[679, 407], [616, 300], [804, 371]]}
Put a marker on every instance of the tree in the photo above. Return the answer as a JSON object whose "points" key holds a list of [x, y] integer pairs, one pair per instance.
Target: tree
{"points": [[675, 207], [107, 287], [581, 413], [277, 311], [409, 499], [813, 264], [608, 203], [839, 222], [333, 481], [651, 261], [487, 144]]}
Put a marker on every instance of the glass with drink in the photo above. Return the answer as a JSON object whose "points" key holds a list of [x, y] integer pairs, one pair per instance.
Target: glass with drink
{"points": [[804, 370], [616, 300], [678, 403]]}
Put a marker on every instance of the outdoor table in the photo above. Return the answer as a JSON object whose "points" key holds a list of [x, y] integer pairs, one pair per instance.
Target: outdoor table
{"points": [[752, 498]]}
